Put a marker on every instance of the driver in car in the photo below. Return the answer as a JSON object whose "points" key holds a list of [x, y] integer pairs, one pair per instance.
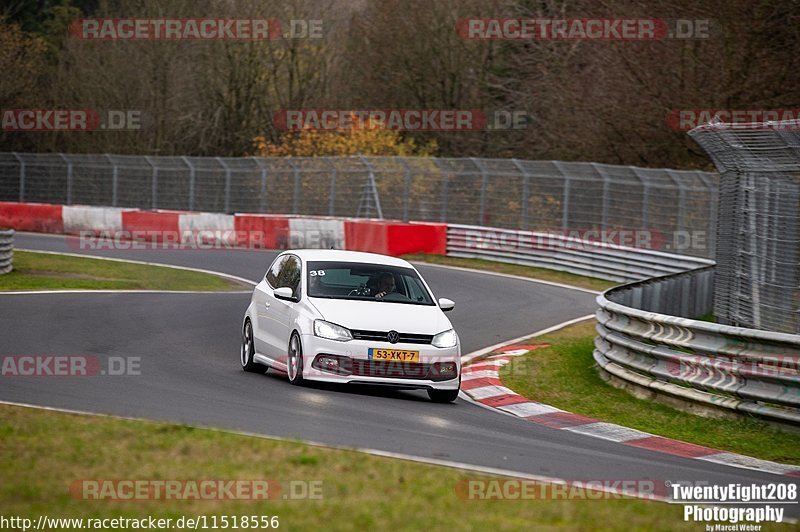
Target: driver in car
{"points": [[385, 285]]}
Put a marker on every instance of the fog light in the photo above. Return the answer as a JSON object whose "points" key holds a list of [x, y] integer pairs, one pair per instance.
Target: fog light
{"points": [[442, 371], [332, 364]]}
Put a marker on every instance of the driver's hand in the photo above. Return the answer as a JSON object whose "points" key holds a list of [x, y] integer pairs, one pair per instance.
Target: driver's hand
{"points": [[380, 295]]}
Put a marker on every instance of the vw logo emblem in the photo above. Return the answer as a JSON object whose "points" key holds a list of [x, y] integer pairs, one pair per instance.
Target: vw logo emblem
{"points": [[393, 337]]}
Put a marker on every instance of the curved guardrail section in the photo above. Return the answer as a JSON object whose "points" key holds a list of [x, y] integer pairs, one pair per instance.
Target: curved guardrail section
{"points": [[747, 370], [558, 252], [6, 250]]}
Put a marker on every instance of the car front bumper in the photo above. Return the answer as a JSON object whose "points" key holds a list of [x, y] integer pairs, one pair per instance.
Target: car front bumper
{"points": [[437, 368]]}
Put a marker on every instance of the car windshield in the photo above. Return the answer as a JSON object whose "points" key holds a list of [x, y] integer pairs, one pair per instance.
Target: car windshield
{"points": [[368, 282]]}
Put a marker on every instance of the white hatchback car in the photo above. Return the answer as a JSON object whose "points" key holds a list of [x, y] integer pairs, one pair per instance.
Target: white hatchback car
{"points": [[351, 317]]}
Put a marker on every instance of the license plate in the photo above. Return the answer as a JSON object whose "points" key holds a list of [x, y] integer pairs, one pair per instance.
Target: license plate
{"points": [[397, 355]]}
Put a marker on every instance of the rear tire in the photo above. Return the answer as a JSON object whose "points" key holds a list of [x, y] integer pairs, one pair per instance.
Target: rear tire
{"points": [[443, 396], [247, 351], [294, 362]]}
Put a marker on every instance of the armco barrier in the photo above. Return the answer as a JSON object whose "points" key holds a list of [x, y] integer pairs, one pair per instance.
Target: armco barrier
{"points": [[391, 238], [746, 370], [6, 250], [36, 217], [244, 230], [573, 255]]}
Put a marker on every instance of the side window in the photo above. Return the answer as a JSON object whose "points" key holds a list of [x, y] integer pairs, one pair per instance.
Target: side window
{"points": [[272, 274], [288, 274], [415, 289]]}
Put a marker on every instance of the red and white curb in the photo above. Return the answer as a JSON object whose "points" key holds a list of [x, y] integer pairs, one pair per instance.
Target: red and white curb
{"points": [[480, 382]]}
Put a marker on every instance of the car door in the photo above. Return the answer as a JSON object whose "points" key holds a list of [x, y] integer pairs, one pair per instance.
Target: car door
{"points": [[264, 330], [280, 314]]}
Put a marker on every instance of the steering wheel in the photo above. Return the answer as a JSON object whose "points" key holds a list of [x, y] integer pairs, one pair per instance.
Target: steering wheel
{"points": [[360, 291]]}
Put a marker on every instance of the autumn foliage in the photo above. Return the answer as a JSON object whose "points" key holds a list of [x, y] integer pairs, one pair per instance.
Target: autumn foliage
{"points": [[363, 138]]}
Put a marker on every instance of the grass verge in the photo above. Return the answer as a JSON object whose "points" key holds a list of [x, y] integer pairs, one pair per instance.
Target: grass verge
{"points": [[44, 271], [515, 269], [44, 452], [564, 376]]}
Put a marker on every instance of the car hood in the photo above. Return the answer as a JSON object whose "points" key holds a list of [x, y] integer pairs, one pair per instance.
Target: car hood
{"points": [[383, 316]]}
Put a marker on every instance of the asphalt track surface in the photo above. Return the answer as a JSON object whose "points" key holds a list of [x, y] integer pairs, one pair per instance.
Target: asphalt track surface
{"points": [[190, 373]]}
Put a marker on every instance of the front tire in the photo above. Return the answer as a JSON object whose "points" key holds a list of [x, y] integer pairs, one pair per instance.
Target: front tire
{"points": [[294, 362], [443, 396], [247, 351]]}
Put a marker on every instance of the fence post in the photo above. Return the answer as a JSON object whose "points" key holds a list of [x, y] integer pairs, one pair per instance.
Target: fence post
{"points": [[681, 200], [484, 178], [606, 193], [154, 187], [21, 176], [262, 197], [332, 198], [406, 189], [565, 197], [227, 168], [645, 197], [69, 177], [525, 193], [372, 187], [713, 199], [443, 199], [114, 180], [192, 177], [296, 191]]}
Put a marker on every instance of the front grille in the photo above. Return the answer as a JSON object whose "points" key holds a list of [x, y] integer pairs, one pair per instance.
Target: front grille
{"points": [[390, 369], [381, 336], [386, 368]]}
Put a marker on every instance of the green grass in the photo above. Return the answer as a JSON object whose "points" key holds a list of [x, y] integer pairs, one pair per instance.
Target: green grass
{"points": [[43, 453], [709, 317], [44, 271], [565, 376], [515, 269]]}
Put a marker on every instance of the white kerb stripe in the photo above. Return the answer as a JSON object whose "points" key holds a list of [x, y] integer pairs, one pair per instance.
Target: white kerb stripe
{"points": [[529, 409], [489, 391], [468, 376], [749, 462], [609, 431]]}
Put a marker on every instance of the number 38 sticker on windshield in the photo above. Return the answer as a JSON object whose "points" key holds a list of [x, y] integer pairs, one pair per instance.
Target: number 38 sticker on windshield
{"points": [[398, 355]]}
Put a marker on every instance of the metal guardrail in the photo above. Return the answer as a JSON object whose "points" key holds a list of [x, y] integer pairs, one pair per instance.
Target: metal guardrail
{"points": [[6, 250], [747, 370], [563, 253]]}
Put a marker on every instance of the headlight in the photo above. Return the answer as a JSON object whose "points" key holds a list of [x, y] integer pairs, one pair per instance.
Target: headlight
{"points": [[445, 339], [331, 331]]}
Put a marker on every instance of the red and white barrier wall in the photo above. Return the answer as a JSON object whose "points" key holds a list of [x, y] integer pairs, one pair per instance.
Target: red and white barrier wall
{"points": [[262, 231]]}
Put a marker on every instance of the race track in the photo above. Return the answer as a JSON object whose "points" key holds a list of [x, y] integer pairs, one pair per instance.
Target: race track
{"points": [[190, 373]]}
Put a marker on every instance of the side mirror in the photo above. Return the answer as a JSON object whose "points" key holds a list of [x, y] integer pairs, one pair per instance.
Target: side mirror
{"points": [[446, 304], [284, 293]]}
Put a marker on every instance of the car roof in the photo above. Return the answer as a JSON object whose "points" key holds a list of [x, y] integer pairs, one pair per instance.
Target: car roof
{"points": [[348, 256]]}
